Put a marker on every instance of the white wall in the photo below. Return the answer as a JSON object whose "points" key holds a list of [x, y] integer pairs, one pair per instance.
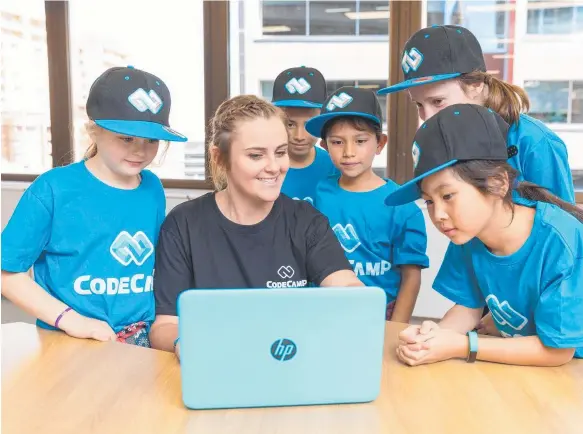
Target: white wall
{"points": [[429, 303]]}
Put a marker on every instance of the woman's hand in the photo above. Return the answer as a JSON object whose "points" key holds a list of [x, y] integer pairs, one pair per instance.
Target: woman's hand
{"points": [[79, 326], [487, 326]]}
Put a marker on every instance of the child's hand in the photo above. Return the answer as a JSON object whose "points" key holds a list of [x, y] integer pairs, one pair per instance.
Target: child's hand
{"points": [[443, 345], [487, 326], [416, 334], [79, 326]]}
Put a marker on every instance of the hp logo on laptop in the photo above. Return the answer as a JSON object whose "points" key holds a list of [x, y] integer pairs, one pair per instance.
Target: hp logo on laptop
{"points": [[283, 350]]}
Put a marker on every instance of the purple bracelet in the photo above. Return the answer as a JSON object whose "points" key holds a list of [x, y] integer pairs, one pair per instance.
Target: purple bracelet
{"points": [[61, 316]]}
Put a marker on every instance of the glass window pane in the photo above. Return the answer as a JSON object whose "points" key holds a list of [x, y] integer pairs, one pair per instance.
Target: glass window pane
{"points": [[373, 18], [557, 20], [533, 21], [132, 38], [333, 18], [24, 93], [284, 18], [549, 100], [577, 103]]}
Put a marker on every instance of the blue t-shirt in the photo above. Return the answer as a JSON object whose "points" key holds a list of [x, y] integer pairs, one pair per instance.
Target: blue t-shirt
{"points": [[541, 158], [91, 245], [376, 238], [537, 290], [300, 184]]}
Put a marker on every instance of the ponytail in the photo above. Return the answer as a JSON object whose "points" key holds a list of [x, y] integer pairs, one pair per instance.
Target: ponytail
{"points": [[506, 99], [531, 191], [489, 176]]}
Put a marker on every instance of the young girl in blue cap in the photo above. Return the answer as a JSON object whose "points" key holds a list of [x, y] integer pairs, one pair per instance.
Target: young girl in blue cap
{"points": [[89, 229], [520, 248]]}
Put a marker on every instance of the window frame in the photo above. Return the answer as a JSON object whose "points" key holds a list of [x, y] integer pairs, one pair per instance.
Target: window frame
{"points": [[216, 82], [569, 123]]}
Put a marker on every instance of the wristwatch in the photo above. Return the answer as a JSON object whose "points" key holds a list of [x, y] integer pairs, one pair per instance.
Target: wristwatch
{"points": [[473, 352]]}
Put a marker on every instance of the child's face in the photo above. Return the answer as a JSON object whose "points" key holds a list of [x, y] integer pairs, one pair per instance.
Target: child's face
{"points": [[352, 151], [300, 141], [456, 208], [258, 159], [125, 156], [431, 98]]}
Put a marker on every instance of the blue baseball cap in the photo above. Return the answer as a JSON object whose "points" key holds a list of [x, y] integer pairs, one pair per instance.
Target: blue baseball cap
{"points": [[299, 87], [129, 101], [346, 101], [460, 132], [438, 53]]}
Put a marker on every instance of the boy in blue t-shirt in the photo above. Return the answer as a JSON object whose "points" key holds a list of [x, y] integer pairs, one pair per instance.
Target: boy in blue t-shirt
{"points": [[300, 92], [385, 245]]}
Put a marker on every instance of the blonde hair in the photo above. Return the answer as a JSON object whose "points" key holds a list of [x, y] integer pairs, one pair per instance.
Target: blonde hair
{"points": [[223, 126], [92, 130], [506, 99]]}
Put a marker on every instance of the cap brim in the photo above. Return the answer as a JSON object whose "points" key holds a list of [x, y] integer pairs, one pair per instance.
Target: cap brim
{"points": [[409, 192], [314, 126], [296, 103], [414, 82], [144, 129]]}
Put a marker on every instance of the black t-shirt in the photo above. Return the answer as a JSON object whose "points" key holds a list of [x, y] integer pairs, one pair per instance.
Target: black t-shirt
{"points": [[199, 247]]}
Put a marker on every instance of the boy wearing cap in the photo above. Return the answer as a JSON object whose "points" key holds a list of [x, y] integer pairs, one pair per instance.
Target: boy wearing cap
{"points": [[385, 245], [89, 229], [520, 248], [300, 92]]}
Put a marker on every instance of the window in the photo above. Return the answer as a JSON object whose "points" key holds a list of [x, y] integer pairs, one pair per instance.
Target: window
{"points": [[549, 100], [325, 18], [134, 36], [26, 129], [554, 18]]}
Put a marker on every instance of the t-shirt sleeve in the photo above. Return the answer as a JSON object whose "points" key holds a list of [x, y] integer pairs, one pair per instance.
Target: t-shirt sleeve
{"points": [[411, 244], [547, 165], [456, 279], [559, 312], [173, 273], [29, 229], [324, 253]]}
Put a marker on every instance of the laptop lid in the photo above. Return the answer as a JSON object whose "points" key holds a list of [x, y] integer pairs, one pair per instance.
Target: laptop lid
{"points": [[280, 347]]}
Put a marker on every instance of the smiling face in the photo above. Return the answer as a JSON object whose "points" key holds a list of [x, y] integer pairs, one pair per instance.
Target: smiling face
{"points": [[258, 159], [457, 209]]}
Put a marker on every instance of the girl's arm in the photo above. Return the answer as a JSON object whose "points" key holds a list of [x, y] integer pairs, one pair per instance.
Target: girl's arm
{"points": [[461, 319], [525, 351], [408, 292], [34, 300]]}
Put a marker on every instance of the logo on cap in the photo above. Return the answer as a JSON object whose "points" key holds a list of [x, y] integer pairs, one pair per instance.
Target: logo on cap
{"points": [[411, 60], [143, 101], [300, 86], [415, 153], [339, 101]]}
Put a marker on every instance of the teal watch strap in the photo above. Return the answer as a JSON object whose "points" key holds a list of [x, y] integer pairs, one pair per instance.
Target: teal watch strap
{"points": [[473, 353], [175, 342]]}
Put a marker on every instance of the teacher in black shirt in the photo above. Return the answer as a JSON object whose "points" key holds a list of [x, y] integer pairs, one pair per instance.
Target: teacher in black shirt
{"points": [[244, 235]]}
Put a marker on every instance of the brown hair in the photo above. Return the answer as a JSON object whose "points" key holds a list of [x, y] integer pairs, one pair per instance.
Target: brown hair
{"points": [[508, 100], [223, 126], [357, 122], [489, 176]]}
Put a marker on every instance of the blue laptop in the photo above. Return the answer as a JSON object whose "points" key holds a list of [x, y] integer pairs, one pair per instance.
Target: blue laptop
{"points": [[280, 347]]}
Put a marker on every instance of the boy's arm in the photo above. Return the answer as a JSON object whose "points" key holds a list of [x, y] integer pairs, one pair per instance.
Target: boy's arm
{"points": [[408, 292]]}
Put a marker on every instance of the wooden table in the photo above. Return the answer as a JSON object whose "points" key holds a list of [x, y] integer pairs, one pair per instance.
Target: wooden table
{"points": [[52, 383]]}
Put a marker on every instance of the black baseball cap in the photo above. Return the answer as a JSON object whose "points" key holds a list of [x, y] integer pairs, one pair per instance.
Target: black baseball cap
{"points": [[299, 87], [438, 53], [129, 101], [346, 101], [460, 132]]}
